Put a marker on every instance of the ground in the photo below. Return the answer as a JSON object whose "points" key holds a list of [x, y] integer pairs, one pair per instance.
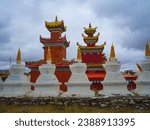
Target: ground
{"points": [[13, 108], [114, 104]]}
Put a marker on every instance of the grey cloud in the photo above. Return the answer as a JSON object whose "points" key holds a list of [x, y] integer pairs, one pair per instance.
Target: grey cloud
{"points": [[131, 14], [22, 22], [4, 33]]}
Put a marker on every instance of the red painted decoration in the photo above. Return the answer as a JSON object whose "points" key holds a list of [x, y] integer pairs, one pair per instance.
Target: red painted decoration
{"points": [[92, 55], [96, 86], [131, 85], [63, 87]]}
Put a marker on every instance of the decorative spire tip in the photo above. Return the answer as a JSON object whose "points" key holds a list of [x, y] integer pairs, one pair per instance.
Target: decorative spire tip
{"points": [[112, 52], [18, 58], [90, 25], [48, 55], [56, 19], [79, 54], [147, 49]]}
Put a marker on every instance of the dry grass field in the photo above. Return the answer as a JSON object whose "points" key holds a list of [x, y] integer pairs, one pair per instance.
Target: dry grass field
{"points": [[5, 108]]}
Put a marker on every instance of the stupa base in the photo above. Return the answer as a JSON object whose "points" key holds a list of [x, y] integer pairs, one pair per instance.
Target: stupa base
{"points": [[143, 88], [115, 88], [78, 90], [45, 90], [15, 89]]}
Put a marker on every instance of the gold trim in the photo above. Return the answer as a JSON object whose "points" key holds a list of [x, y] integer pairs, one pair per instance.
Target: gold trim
{"points": [[90, 28], [90, 38], [96, 46], [94, 65]]}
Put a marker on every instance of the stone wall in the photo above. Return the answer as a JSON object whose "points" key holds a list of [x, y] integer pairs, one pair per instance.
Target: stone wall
{"points": [[109, 102]]}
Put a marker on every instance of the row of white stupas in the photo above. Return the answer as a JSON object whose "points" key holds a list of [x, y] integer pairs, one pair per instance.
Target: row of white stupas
{"points": [[18, 84]]}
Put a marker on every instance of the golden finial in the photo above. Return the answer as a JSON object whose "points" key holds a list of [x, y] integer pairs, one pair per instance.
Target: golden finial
{"points": [[18, 58], [139, 67], [90, 25], [147, 49], [48, 55], [112, 52], [79, 54], [56, 19]]}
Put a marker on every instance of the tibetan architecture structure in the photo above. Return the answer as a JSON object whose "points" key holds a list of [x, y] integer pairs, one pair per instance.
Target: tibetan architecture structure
{"points": [[85, 76], [56, 42], [143, 81], [94, 57], [92, 54], [58, 45], [114, 82], [47, 83], [17, 84], [78, 84]]}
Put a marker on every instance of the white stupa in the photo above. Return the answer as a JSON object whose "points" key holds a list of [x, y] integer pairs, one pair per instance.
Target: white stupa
{"points": [[47, 83], [17, 84], [78, 84], [143, 81], [114, 82]]}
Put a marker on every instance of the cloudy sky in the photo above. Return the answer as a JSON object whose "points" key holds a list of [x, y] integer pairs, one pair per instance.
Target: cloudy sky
{"points": [[126, 23]]}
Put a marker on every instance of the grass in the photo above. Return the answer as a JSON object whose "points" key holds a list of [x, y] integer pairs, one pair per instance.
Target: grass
{"points": [[13, 108]]}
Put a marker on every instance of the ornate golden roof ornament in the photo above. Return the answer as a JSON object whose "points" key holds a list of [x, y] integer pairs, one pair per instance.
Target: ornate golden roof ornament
{"points": [[56, 24], [79, 54], [96, 46], [48, 60], [112, 52], [147, 49], [90, 28], [18, 58], [93, 37]]}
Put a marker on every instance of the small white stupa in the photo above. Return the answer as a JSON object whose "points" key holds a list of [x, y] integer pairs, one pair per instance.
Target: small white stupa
{"points": [[143, 81], [78, 84], [17, 84], [47, 83], [114, 82]]}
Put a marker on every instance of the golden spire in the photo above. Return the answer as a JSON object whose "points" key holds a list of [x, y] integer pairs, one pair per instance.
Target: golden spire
{"points": [[48, 55], [112, 53], [147, 49], [18, 58], [139, 67], [79, 54]]}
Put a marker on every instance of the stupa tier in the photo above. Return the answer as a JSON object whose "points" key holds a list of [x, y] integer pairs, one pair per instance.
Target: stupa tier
{"points": [[93, 56], [17, 84], [78, 84], [114, 82], [143, 81], [58, 45], [47, 83], [56, 42]]}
